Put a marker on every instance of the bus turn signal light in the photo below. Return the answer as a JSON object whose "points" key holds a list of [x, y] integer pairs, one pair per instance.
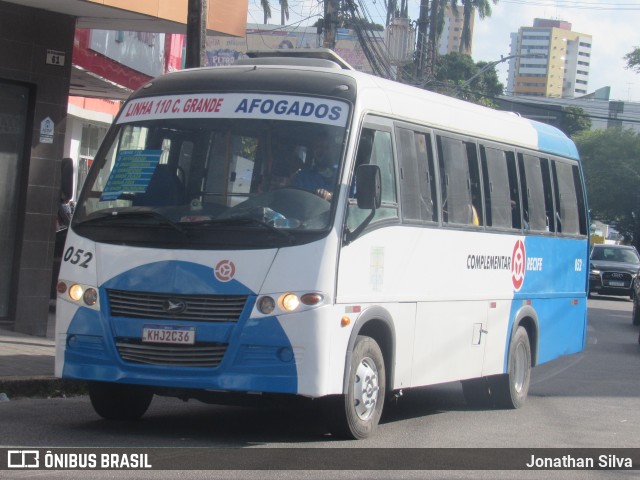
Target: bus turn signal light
{"points": [[311, 298]]}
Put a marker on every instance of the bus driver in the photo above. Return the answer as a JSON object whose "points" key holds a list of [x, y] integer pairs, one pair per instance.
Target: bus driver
{"points": [[318, 174]]}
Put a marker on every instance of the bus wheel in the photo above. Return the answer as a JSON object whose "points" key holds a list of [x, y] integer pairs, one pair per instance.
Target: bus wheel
{"points": [[356, 414], [636, 312], [476, 392], [119, 402], [510, 389]]}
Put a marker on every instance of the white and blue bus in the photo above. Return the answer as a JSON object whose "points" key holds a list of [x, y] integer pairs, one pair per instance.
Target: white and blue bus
{"points": [[292, 227]]}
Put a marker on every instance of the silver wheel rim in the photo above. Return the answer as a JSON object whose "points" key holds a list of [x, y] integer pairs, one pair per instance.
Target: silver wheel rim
{"points": [[365, 389], [519, 367]]}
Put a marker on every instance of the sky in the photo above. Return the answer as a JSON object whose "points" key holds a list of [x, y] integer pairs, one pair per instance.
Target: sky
{"points": [[613, 25]]}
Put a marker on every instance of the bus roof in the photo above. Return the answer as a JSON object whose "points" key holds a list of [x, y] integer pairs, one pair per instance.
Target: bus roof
{"points": [[320, 74]]}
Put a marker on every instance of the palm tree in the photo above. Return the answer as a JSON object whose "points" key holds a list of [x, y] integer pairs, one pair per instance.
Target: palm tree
{"points": [[284, 11], [436, 24], [484, 10], [430, 25], [266, 8]]}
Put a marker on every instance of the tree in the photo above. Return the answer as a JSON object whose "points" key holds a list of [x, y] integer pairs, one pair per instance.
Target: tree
{"points": [[284, 11], [432, 15], [611, 162], [574, 120], [469, 6], [633, 59], [430, 24], [266, 8], [452, 72], [346, 18], [436, 24]]}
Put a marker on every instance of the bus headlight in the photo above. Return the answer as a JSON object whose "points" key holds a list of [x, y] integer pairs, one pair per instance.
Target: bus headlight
{"points": [[266, 305], [288, 302], [75, 292], [90, 296], [78, 293]]}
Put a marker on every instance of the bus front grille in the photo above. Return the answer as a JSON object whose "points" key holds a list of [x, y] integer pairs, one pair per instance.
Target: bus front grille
{"points": [[201, 308], [199, 355]]}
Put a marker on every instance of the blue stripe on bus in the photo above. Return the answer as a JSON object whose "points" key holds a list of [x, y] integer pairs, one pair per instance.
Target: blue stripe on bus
{"points": [[259, 356], [552, 140], [175, 277], [554, 288]]}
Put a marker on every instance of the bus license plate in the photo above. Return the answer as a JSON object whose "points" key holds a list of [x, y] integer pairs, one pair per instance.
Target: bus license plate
{"points": [[166, 334], [616, 283]]}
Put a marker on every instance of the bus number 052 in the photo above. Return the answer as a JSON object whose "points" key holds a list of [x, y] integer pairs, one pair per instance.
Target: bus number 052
{"points": [[75, 257]]}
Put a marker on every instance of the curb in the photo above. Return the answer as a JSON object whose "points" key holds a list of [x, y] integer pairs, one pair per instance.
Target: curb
{"points": [[41, 387]]}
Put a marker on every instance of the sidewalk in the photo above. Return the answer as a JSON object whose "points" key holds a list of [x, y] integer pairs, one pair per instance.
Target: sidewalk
{"points": [[27, 365]]}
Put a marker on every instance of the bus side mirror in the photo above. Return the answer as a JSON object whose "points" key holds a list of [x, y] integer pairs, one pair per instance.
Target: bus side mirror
{"points": [[368, 187]]}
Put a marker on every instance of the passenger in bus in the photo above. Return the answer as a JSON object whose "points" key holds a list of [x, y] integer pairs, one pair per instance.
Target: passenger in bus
{"points": [[475, 218], [318, 174]]}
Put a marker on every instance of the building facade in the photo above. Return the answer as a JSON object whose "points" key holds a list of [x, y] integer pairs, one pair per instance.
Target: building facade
{"points": [[451, 38], [549, 60]]}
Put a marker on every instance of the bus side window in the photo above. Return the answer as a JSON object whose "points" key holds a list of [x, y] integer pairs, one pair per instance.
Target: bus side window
{"points": [[552, 219], [582, 209], [381, 155], [500, 188], [460, 182], [477, 212], [566, 196], [533, 193], [514, 191], [417, 178]]}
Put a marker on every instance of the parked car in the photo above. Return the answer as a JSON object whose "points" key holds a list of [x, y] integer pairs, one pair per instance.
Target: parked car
{"points": [[613, 270]]}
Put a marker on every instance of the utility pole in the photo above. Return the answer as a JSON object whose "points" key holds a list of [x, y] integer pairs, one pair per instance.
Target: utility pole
{"points": [[330, 23], [196, 34]]}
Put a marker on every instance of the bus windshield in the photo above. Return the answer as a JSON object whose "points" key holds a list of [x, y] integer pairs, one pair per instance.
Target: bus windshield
{"points": [[184, 179]]}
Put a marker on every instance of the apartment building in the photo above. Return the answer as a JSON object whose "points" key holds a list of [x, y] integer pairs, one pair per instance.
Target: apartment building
{"points": [[452, 31], [549, 60]]}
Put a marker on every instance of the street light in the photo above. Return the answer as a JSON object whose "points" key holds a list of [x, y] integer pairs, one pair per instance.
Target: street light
{"points": [[489, 65]]}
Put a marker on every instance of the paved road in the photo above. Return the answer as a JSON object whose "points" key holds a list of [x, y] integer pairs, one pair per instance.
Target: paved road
{"points": [[588, 400]]}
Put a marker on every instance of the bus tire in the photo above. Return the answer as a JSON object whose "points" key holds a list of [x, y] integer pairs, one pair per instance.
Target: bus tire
{"points": [[356, 414], [635, 317], [476, 392], [510, 389], [114, 401]]}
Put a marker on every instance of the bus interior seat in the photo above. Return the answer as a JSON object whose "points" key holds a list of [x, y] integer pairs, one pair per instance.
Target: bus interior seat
{"points": [[165, 188]]}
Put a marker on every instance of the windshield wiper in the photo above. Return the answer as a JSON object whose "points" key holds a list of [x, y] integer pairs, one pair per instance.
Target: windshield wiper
{"points": [[244, 221], [142, 213]]}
